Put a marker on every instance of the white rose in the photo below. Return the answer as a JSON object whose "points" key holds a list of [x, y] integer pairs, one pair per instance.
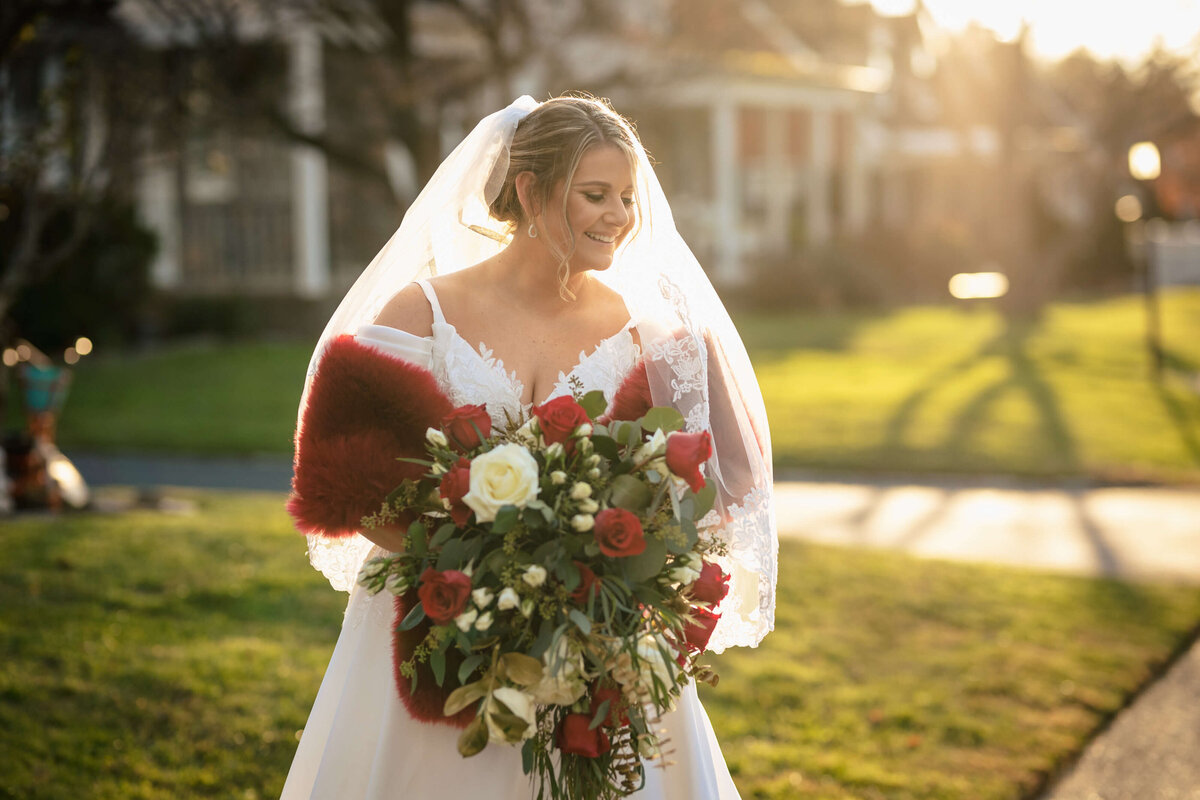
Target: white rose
{"points": [[504, 476], [527, 607], [508, 599], [581, 491], [684, 574], [519, 704], [560, 690], [593, 473], [436, 437], [656, 446], [465, 620], [558, 477], [583, 522], [535, 575], [650, 650], [484, 622], [438, 468], [562, 682], [589, 506], [555, 451], [482, 596], [584, 430], [528, 432], [593, 459]]}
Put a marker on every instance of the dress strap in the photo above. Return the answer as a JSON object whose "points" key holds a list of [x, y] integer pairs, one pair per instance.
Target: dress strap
{"points": [[431, 296]]}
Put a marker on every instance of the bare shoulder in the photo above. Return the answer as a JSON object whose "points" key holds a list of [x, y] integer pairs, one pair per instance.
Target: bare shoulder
{"points": [[409, 311]]}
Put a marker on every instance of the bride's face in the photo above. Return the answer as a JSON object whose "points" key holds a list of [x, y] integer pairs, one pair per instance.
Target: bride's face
{"points": [[599, 206]]}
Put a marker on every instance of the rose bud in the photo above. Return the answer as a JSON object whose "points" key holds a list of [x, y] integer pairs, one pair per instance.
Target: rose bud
{"points": [[616, 705], [466, 424], [697, 633], [686, 454], [455, 484], [619, 533], [574, 737], [587, 583], [558, 418], [444, 595], [712, 585]]}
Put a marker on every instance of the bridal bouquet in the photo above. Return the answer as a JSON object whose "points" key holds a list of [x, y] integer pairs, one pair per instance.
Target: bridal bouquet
{"points": [[555, 589]]}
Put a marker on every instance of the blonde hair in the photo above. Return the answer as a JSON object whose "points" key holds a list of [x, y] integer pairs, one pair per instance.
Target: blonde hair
{"points": [[549, 143]]}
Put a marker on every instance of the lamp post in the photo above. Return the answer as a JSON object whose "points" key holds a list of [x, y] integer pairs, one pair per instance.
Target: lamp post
{"points": [[1145, 167]]}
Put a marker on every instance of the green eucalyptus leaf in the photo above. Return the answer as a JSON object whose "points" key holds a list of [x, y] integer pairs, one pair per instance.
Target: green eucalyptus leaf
{"points": [[704, 500], [630, 493], [413, 618], [594, 403], [463, 696], [521, 669], [664, 417], [443, 535], [606, 446], [437, 663], [473, 739], [581, 621], [506, 518], [648, 563], [453, 555], [469, 665]]}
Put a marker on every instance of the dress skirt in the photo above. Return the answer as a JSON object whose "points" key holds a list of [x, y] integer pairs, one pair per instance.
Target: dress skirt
{"points": [[361, 744]]}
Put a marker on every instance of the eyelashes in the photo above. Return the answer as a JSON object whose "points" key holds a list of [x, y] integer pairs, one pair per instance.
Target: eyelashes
{"points": [[599, 198]]}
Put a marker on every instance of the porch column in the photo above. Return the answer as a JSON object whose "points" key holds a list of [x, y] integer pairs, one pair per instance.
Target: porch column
{"points": [[727, 195], [310, 177], [819, 217]]}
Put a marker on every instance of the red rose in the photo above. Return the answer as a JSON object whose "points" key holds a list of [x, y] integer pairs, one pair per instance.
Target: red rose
{"points": [[461, 424], [574, 737], [616, 705], [558, 418], [455, 484], [686, 452], [699, 632], [712, 585], [587, 584], [444, 594], [619, 533]]}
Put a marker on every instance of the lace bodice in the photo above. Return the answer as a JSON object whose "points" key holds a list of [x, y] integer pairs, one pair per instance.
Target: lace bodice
{"points": [[468, 376]]}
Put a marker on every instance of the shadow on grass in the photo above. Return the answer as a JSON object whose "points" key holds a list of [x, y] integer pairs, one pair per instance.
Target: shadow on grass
{"points": [[1024, 376]]}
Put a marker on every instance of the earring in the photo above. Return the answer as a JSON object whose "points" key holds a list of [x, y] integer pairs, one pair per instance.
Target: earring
{"points": [[532, 231]]}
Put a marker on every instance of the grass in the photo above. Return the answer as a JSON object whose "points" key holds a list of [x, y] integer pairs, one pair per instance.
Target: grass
{"points": [[921, 389], [947, 389], [150, 655]]}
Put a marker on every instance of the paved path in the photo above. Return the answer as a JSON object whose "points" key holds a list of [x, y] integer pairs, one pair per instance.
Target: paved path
{"points": [[1152, 749], [1122, 532]]}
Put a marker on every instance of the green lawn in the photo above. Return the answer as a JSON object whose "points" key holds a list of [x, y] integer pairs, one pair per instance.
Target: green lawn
{"points": [[153, 655], [919, 389]]}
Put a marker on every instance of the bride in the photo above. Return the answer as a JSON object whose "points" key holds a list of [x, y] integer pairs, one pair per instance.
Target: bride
{"points": [[541, 260]]}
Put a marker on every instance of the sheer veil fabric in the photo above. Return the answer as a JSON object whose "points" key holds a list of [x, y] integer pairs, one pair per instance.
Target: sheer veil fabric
{"points": [[695, 359]]}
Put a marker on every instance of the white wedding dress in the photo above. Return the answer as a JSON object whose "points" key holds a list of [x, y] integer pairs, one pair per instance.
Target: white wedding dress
{"points": [[360, 743]]}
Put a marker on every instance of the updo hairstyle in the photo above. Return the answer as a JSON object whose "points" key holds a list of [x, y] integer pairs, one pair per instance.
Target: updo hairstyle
{"points": [[549, 143]]}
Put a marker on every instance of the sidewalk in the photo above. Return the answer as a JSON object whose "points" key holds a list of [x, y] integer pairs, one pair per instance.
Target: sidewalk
{"points": [[1152, 749]]}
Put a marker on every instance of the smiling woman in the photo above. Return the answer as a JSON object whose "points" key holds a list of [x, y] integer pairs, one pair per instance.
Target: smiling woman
{"points": [[534, 241]]}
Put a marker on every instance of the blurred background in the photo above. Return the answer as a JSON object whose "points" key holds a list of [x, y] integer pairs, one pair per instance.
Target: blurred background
{"points": [[986, 211], [960, 241]]}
